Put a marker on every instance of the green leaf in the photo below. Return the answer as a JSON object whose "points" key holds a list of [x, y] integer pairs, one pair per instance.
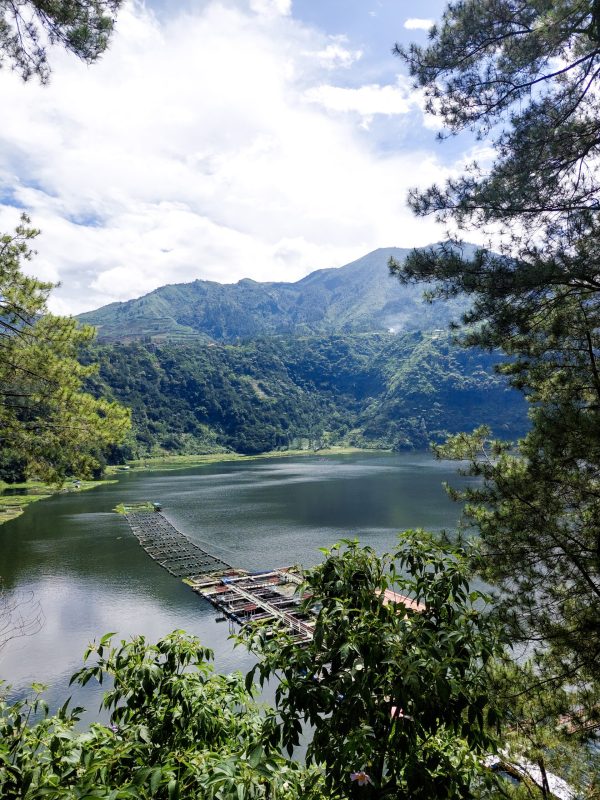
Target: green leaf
{"points": [[256, 755]]}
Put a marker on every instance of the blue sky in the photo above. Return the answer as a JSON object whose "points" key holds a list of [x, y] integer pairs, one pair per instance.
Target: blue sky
{"points": [[223, 139]]}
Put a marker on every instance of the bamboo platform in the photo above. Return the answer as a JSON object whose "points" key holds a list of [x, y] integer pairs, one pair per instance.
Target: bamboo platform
{"points": [[244, 598], [269, 597]]}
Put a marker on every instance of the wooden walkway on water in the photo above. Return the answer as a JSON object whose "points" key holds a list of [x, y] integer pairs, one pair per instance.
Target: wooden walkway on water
{"points": [[240, 596], [259, 597]]}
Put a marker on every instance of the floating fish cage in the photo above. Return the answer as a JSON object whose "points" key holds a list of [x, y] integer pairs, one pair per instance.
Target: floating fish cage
{"points": [[241, 597]]}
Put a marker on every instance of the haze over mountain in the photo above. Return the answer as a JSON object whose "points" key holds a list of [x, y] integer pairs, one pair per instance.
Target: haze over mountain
{"points": [[358, 297]]}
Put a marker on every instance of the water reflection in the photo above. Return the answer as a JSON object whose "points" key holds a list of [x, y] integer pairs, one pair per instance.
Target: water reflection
{"points": [[91, 576]]}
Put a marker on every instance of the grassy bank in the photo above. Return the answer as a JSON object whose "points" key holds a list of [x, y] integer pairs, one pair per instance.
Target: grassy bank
{"points": [[136, 508], [21, 495], [180, 462]]}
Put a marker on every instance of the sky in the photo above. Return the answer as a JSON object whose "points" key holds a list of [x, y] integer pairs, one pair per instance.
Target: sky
{"points": [[220, 140]]}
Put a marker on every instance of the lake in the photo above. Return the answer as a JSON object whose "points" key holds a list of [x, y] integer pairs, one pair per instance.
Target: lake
{"points": [[90, 575]]}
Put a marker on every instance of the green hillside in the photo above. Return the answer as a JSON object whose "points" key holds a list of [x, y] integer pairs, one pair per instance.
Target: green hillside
{"points": [[360, 297], [369, 390], [343, 356]]}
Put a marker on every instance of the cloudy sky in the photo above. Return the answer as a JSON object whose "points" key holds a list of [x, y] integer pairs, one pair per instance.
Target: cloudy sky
{"points": [[222, 139]]}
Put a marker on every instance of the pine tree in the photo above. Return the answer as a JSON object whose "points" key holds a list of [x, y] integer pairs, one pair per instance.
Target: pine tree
{"points": [[527, 75], [82, 27], [45, 417]]}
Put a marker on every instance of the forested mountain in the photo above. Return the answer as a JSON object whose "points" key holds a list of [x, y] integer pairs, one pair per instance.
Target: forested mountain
{"points": [[359, 297], [371, 390], [344, 356]]}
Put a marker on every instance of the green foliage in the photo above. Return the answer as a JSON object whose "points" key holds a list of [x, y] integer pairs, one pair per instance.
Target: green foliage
{"points": [[539, 728], [536, 512], [177, 731], [398, 693], [82, 27], [13, 467], [527, 73], [376, 390], [359, 297], [45, 417]]}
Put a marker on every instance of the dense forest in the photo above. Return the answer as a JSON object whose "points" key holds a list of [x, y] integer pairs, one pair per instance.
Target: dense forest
{"points": [[369, 390], [345, 356]]}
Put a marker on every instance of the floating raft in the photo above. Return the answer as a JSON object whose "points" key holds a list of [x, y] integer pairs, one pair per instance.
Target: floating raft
{"points": [[242, 597], [259, 597], [170, 548]]}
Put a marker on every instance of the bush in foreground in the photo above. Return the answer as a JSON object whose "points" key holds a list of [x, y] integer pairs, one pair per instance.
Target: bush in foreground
{"points": [[177, 730]]}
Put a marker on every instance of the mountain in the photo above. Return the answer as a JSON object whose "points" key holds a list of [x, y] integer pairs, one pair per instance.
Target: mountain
{"points": [[278, 392], [343, 356], [358, 297]]}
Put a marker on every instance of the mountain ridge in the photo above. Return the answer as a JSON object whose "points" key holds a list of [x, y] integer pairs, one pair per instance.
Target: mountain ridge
{"points": [[345, 355], [357, 297]]}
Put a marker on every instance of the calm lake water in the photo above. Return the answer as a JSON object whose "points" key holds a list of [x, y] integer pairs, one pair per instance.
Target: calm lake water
{"points": [[90, 575]]}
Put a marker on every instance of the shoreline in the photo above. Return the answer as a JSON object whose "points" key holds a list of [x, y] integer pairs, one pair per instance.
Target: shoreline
{"points": [[16, 502], [183, 461]]}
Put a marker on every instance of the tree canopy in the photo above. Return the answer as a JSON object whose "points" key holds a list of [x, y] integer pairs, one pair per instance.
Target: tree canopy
{"points": [[525, 74], [45, 417], [396, 699], [397, 696], [82, 27], [376, 390], [525, 77], [396, 693], [176, 730]]}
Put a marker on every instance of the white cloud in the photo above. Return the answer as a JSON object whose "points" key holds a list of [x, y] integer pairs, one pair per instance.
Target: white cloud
{"points": [[271, 7], [190, 151], [365, 100], [416, 24], [336, 54]]}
